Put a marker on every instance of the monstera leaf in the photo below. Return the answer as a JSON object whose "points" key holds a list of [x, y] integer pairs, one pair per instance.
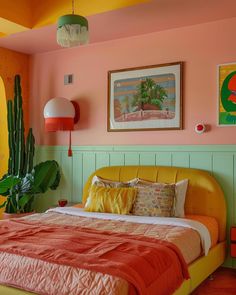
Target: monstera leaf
{"points": [[20, 191], [8, 183], [46, 176]]}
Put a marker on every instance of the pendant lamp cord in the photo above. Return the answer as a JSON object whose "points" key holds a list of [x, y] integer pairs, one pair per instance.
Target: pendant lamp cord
{"points": [[73, 6], [69, 149]]}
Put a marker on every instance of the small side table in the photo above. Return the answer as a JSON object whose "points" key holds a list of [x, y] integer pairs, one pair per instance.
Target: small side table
{"points": [[233, 241], [69, 204]]}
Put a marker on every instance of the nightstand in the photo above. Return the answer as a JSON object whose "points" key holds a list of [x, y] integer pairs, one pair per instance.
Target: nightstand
{"points": [[233, 241]]}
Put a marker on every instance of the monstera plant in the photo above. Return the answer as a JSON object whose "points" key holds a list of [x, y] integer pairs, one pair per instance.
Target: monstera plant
{"points": [[24, 181]]}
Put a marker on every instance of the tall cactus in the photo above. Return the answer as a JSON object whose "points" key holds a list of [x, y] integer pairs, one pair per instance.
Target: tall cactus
{"points": [[20, 154], [24, 181], [11, 137], [29, 152], [19, 128]]}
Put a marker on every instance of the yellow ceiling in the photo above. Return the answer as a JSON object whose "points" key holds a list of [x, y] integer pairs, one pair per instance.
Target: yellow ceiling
{"points": [[21, 15]]}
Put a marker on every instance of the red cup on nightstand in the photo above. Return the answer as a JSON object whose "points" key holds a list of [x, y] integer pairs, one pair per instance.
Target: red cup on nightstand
{"points": [[62, 202]]}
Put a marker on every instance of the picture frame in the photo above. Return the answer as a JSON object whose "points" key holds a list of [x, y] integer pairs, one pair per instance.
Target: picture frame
{"points": [[226, 87], [145, 98]]}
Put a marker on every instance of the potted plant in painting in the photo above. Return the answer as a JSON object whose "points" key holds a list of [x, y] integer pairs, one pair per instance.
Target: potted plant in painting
{"points": [[24, 181], [149, 95]]}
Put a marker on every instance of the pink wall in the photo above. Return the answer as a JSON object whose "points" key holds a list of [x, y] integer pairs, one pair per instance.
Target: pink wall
{"points": [[200, 47]]}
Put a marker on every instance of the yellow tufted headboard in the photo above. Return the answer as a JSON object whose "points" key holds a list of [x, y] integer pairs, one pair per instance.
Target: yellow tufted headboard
{"points": [[204, 195]]}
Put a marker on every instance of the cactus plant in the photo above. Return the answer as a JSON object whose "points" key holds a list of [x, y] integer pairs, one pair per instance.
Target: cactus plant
{"points": [[23, 181]]}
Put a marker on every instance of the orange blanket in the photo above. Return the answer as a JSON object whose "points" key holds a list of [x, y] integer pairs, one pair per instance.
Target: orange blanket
{"points": [[151, 266]]}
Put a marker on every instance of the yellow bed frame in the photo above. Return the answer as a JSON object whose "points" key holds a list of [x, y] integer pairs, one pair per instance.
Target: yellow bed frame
{"points": [[204, 197]]}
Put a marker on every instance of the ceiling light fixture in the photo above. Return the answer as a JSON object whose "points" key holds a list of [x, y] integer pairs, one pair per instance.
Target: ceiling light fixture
{"points": [[72, 29]]}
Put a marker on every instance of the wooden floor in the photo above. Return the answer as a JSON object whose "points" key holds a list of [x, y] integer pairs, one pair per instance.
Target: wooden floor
{"points": [[222, 282]]}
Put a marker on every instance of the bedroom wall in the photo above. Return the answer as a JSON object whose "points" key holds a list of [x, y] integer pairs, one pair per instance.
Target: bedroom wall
{"points": [[200, 47]]}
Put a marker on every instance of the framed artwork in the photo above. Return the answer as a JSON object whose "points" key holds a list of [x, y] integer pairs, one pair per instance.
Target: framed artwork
{"points": [[145, 98], [227, 94]]}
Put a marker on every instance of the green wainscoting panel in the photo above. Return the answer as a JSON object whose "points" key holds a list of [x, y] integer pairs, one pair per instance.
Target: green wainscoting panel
{"points": [[219, 160], [66, 179], [163, 159], [233, 203], [89, 165], [223, 171], [148, 158], [132, 158], [201, 160], [180, 159], [102, 159], [77, 177], [117, 159]]}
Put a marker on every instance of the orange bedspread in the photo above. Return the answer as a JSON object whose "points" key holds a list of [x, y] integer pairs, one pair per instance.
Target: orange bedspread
{"points": [[139, 260]]}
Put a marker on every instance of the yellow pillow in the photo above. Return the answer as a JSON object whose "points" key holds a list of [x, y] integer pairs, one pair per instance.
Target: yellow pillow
{"points": [[117, 200]]}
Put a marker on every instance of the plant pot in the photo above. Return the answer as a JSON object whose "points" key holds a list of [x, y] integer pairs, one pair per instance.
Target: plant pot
{"points": [[15, 215]]}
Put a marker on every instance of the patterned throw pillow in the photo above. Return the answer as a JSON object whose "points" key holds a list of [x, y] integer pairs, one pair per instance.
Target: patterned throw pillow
{"points": [[110, 200], [99, 181], [180, 194], [154, 200]]}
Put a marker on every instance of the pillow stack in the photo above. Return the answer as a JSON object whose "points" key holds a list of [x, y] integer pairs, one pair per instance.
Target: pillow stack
{"points": [[137, 197], [111, 196]]}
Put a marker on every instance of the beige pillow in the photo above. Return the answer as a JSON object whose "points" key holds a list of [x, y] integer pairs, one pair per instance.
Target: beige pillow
{"points": [[154, 200], [99, 181], [180, 194]]}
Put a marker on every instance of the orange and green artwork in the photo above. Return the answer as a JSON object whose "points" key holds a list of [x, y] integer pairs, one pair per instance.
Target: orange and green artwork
{"points": [[227, 94]]}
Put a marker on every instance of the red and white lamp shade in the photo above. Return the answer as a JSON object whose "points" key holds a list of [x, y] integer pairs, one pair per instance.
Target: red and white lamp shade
{"points": [[61, 114]]}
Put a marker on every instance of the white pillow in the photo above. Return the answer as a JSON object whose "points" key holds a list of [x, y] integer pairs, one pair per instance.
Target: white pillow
{"points": [[180, 193], [180, 189]]}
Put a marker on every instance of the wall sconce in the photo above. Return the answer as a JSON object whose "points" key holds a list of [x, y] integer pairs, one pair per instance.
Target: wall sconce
{"points": [[60, 115]]}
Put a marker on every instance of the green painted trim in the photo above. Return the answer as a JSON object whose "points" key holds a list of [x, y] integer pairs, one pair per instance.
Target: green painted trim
{"points": [[145, 148]]}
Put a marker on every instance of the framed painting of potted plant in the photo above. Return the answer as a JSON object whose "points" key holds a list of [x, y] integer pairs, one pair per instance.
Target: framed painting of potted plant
{"points": [[145, 98]]}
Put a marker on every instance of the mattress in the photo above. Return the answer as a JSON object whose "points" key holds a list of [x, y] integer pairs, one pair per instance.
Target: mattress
{"points": [[190, 236]]}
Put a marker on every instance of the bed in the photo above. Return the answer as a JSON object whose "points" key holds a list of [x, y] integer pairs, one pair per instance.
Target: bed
{"points": [[204, 197]]}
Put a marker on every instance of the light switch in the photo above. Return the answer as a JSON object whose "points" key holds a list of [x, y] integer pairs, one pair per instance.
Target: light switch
{"points": [[68, 79]]}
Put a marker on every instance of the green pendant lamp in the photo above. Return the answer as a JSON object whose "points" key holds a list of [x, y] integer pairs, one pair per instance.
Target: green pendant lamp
{"points": [[72, 30]]}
